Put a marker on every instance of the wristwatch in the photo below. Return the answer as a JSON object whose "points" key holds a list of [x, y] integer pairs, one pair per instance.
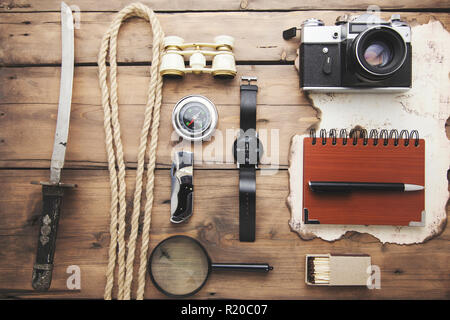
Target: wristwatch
{"points": [[247, 153]]}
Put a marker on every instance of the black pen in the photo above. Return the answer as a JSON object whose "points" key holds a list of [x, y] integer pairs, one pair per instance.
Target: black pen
{"points": [[338, 186]]}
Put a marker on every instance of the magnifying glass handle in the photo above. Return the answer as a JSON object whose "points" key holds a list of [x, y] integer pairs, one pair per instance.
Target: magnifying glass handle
{"points": [[252, 267]]}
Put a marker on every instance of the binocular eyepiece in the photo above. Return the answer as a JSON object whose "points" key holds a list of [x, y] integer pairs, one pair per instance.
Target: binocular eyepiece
{"points": [[223, 62]]}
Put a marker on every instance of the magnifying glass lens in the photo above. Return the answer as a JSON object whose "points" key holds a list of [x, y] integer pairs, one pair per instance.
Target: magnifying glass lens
{"points": [[179, 266]]}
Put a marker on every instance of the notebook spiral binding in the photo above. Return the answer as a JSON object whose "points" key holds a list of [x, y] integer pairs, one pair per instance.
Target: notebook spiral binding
{"points": [[384, 135]]}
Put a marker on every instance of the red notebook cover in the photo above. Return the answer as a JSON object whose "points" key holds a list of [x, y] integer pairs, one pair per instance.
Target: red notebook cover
{"points": [[364, 163]]}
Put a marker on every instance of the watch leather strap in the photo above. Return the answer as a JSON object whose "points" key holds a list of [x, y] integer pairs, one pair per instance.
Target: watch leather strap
{"points": [[247, 172], [247, 203], [248, 106]]}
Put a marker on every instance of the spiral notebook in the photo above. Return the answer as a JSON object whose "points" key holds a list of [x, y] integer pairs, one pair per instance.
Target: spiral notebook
{"points": [[387, 156]]}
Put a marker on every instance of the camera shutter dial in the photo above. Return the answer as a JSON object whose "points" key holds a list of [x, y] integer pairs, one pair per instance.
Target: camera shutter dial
{"points": [[313, 22]]}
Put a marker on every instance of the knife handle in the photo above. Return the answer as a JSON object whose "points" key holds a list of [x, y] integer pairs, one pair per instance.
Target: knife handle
{"points": [[42, 270]]}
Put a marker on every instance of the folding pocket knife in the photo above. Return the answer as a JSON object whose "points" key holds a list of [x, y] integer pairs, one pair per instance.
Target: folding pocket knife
{"points": [[182, 198]]}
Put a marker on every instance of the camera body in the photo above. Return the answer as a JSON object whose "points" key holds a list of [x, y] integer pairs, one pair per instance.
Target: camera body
{"points": [[365, 54]]}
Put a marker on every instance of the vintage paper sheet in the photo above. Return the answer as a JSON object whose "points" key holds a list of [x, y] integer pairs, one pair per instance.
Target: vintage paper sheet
{"points": [[425, 108]]}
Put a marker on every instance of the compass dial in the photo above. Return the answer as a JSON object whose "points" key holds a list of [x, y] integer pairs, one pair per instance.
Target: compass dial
{"points": [[195, 117]]}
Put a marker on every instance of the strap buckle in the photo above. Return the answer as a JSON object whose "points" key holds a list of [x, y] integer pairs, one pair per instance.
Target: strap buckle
{"points": [[249, 79]]}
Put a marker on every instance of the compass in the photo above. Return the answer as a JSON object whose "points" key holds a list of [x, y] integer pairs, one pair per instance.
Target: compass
{"points": [[194, 118]]}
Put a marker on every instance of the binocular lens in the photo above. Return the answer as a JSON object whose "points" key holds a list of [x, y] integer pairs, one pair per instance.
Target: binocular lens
{"points": [[172, 76], [223, 76]]}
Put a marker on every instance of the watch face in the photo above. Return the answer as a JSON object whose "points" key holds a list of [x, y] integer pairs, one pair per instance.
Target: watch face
{"points": [[247, 150], [194, 118]]}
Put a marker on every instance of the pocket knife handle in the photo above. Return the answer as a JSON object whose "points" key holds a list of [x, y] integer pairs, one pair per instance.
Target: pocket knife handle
{"points": [[182, 197]]}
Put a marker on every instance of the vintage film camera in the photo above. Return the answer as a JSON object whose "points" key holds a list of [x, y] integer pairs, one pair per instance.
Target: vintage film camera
{"points": [[223, 62], [363, 54]]}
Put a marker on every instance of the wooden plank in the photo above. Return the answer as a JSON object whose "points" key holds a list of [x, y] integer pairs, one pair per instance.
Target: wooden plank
{"points": [[262, 42], [278, 85], [221, 5], [26, 138], [29, 105], [83, 240]]}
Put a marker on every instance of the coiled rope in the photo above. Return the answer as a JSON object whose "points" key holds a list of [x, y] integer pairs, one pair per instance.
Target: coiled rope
{"points": [[117, 249]]}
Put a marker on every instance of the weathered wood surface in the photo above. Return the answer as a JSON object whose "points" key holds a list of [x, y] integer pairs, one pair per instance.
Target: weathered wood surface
{"points": [[30, 101], [29, 88], [222, 5], [257, 35], [417, 271]]}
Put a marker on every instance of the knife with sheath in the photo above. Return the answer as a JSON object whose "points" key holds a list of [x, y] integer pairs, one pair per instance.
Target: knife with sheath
{"points": [[53, 190]]}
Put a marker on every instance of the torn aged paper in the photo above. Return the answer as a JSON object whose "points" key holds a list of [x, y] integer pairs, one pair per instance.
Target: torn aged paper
{"points": [[425, 108]]}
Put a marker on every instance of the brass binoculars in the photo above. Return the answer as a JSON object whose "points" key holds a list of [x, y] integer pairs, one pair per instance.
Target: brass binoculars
{"points": [[175, 50]]}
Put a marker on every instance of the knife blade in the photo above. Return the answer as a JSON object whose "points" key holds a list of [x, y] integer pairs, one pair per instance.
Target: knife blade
{"points": [[53, 190], [65, 94]]}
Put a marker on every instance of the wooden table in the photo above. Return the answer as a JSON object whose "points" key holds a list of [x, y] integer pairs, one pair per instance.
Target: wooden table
{"points": [[29, 77]]}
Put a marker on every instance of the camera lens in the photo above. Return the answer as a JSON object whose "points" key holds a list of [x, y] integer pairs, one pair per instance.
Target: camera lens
{"points": [[379, 52]]}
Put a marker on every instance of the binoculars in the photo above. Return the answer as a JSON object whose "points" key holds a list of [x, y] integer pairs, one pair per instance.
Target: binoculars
{"points": [[223, 62]]}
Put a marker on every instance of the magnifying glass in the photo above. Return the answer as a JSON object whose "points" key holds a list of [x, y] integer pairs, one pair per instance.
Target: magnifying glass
{"points": [[179, 266]]}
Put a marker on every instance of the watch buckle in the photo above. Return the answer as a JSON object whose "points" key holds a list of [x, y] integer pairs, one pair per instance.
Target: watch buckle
{"points": [[249, 79]]}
